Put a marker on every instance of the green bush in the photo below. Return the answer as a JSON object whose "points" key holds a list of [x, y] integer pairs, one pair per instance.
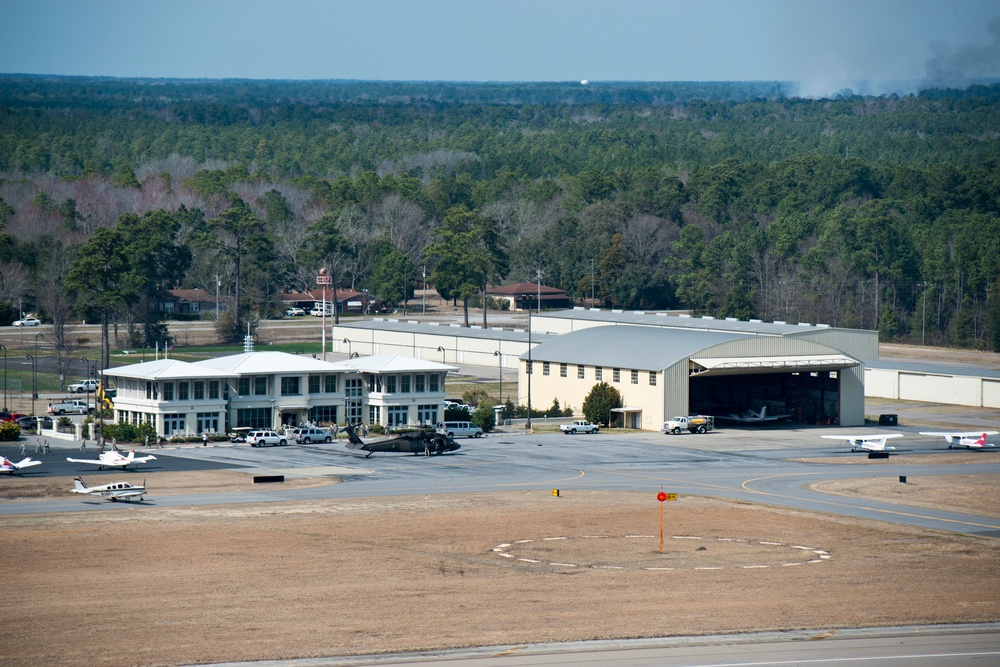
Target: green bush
{"points": [[9, 431], [125, 432], [483, 418]]}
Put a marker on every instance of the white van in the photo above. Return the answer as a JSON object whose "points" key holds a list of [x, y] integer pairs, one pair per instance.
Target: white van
{"points": [[322, 308], [455, 429]]}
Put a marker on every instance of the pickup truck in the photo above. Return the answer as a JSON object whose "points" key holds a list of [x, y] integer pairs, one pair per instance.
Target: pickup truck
{"points": [[83, 386], [692, 423], [71, 406], [579, 425]]}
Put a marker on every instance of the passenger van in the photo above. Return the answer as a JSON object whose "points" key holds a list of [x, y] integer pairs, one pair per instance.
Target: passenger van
{"points": [[455, 429]]}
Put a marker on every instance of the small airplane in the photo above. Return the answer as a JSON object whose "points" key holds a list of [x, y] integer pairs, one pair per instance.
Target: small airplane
{"points": [[115, 491], [8, 466], [750, 416], [969, 439], [114, 460], [866, 443], [416, 442]]}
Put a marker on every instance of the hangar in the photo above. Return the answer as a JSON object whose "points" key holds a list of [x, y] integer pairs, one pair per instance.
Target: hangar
{"points": [[665, 371]]}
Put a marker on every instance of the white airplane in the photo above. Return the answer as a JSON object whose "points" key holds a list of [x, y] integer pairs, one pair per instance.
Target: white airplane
{"points": [[866, 443], [115, 491], [969, 439], [8, 466], [751, 417], [114, 460]]}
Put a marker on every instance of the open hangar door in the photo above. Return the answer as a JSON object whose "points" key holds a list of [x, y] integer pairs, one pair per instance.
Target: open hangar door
{"points": [[806, 389]]}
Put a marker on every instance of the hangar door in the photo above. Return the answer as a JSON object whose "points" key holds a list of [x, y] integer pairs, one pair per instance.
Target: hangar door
{"points": [[805, 387]]}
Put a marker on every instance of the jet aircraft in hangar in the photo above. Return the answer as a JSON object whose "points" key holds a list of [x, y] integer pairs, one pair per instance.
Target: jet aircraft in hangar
{"points": [[866, 443], [967, 439]]}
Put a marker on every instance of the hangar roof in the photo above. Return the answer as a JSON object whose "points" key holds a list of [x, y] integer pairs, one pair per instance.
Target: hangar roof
{"points": [[933, 369], [412, 326], [628, 347], [662, 319]]}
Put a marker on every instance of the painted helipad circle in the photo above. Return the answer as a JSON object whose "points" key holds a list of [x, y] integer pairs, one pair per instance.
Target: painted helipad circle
{"points": [[641, 552]]}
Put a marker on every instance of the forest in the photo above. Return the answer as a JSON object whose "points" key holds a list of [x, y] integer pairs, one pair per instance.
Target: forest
{"points": [[728, 199]]}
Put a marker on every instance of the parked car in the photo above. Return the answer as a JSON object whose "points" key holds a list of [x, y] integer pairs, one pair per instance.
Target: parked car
{"points": [[83, 386], [28, 322], [319, 310], [10, 416], [580, 425], [294, 312], [30, 423], [310, 434], [454, 429], [265, 438], [71, 406]]}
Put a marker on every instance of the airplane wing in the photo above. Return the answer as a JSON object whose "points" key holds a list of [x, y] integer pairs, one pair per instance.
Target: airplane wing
{"points": [[93, 462], [128, 493], [27, 463], [143, 459], [870, 436], [958, 434]]}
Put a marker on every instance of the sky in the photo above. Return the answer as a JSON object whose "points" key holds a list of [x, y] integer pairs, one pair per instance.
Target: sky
{"points": [[824, 45]]}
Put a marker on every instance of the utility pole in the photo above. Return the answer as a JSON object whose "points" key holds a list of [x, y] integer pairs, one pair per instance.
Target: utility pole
{"points": [[323, 279], [538, 277], [531, 370]]}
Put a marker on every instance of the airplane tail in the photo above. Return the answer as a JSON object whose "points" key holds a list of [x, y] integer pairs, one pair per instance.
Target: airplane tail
{"points": [[981, 442], [131, 455], [79, 486], [355, 441], [763, 412]]}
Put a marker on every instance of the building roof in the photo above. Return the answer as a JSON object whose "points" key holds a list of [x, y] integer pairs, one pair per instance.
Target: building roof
{"points": [[643, 348], [527, 289], [263, 363], [682, 321], [434, 328], [391, 363], [933, 369], [190, 295], [166, 369]]}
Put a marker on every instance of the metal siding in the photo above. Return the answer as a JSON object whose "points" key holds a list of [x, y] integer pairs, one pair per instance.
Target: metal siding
{"points": [[881, 383], [991, 394], [676, 396], [940, 389], [852, 396]]}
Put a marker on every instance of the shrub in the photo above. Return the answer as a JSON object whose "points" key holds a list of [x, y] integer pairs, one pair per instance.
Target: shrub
{"points": [[483, 418], [599, 402], [9, 431], [125, 432]]}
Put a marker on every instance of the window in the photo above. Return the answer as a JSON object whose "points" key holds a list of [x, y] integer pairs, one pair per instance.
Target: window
{"points": [[213, 389], [313, 384], [404, 384], [353, 389], [580, 375], [253, 418], [243, 388], [182, 391], [398, 415], [208, 422], [652, 378], [168, 391], [435, 381], [260, 386], [635, 377], [616, 375], [353, 410], [173, 423], [562, 370], [199, 390], [390, 384], [427, 414], [545, 368], [289, 386], [374, 414], [420, 382], [151, 391], [598, 373], [323, 414], [331, 384]]}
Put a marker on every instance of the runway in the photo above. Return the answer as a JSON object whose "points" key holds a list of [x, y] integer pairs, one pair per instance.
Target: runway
{"points": [[740, 464]]}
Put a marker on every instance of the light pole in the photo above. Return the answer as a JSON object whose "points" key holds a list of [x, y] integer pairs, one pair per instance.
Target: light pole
{"points": [[923, 314], [34, 375], [348, 341], [531, 370], [441, 350], [4, 377], [89, 366], [538, 276], [33, 394], [497, 354]]}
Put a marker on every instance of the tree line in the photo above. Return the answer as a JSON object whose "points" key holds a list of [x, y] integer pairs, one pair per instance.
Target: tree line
{"points": [[869, 212]]}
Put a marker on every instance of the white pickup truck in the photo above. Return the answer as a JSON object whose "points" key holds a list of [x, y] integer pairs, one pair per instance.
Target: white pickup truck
{"points": [[692, 423], [70, 406], [83, 386], [579, 426]]}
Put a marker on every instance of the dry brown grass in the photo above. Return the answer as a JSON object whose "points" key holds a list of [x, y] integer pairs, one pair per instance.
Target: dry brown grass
{"points": [[287, 580]]}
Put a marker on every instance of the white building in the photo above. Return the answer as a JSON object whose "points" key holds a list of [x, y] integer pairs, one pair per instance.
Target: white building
{"points": [[276, 389]]}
